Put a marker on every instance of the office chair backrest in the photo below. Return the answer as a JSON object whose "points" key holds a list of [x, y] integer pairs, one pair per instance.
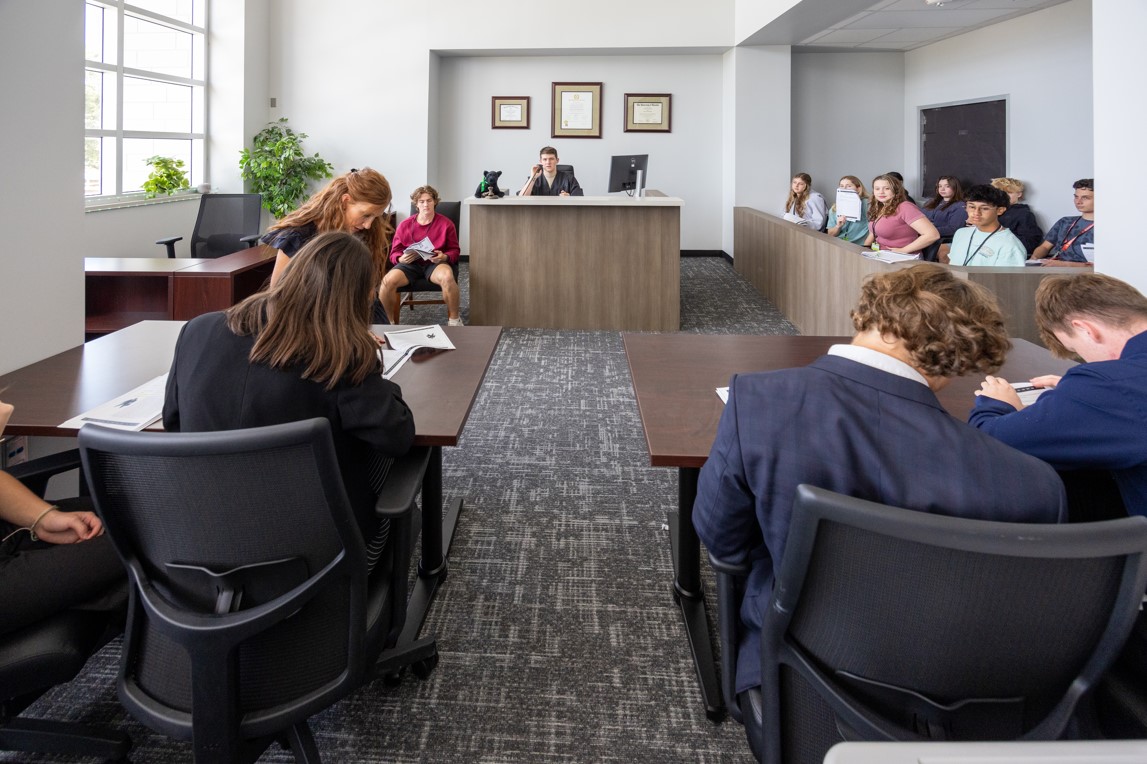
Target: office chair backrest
{"points": [[223, 220], [893, 624], [565, 168], [451, 210], [247, 607]]}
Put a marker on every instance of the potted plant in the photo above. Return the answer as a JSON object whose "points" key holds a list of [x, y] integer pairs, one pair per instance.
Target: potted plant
{"points": [[167, 176], [277, 167]]}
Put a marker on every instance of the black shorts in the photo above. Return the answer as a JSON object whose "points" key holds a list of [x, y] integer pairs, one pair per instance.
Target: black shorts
{"points": [[418, 270]]}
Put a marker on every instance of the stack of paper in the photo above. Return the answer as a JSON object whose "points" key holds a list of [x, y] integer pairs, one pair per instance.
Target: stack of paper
{"points": [[424, 249], [885, 256], [404, 342], [133, 410]]}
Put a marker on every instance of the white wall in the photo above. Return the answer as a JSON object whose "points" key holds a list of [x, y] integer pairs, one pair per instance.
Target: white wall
{"points": [[1120, 163], [1043, 65], [842, 103], [685, 162], [41, 198]]}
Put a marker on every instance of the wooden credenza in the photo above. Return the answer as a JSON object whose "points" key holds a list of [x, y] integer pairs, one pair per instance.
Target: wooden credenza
{"points": [[814, 278], [121, 291], [577, 262]]}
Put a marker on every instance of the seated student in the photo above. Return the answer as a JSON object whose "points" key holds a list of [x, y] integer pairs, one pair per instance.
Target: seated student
{"points": [[864, 421], [355, 202], [900, 178], [301, 349], [1019, 218], [408, 268], [53, 558], [850, 229], [1095, 415], [894, 223], [803, 205], [985, 241], [547, 180], [946, 208], [1063, 244]]}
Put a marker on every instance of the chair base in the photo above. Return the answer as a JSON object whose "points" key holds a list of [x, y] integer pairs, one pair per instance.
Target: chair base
{"points": [[63, 738]]}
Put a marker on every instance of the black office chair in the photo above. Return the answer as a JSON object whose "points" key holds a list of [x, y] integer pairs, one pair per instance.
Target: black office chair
{"points": [[251, 607], [50, 652], [890, 624], [453, 211], [566, 168], [225, 223]]}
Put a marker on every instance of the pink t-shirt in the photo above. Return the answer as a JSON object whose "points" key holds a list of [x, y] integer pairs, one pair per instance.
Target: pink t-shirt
{"points": [[896, 230]]}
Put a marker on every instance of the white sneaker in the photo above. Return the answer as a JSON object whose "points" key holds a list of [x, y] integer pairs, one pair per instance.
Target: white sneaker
{"points": [[455, 322]]}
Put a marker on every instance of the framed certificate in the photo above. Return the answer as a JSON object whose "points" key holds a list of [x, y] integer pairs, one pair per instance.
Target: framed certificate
{"points": [[648, 112], [576, 110], [510, 112]]}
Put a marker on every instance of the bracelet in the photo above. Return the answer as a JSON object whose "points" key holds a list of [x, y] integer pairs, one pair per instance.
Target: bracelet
{"points": [[32, 527]]}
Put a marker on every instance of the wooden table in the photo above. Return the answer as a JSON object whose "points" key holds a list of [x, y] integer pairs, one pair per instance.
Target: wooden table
{"points": [[674, 379], [576, 262], [120, 291], [440, 389]]}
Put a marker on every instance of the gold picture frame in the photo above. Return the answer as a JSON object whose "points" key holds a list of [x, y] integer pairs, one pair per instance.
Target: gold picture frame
{"points": [[648, 112], [575, 110], [509, 112]]}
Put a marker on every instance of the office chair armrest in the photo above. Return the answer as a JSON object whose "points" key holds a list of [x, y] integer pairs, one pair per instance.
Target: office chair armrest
{"points": [[35, 474], [403, 483], [728, 567], [169, 242], [250, 240]]}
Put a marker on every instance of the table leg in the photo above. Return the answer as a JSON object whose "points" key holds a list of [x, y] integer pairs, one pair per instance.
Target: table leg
{"points": [[689, 594], [437, 534]]}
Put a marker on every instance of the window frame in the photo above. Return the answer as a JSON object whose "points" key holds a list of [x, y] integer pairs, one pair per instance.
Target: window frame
{"points": [[119, 10]]}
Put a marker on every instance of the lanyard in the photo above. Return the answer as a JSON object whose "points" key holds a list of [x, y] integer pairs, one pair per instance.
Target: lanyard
{"points": [[968, 257], [1071, 241]]}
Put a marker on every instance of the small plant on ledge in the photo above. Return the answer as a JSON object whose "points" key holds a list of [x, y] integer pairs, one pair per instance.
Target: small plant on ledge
{"points": [[279, 170], [167, 176]]}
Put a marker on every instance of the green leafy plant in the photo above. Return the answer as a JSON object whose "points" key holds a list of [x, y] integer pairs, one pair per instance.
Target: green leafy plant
{"points": [[167, 176], [278, 168]]}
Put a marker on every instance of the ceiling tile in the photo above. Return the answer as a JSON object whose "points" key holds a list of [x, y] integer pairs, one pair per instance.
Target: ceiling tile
{"points": [[927, 17], [851, 36]]}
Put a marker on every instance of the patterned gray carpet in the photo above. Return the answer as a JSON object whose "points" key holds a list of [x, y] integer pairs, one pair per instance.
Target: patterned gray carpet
{"points": [[558, 636]]}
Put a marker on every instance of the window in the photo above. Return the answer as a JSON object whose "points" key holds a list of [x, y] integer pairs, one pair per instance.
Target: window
{"points": [[145, 91]]}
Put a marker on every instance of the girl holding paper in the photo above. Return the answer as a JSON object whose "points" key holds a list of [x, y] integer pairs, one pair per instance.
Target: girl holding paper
{"points": [[853, 229], [803, 205]]}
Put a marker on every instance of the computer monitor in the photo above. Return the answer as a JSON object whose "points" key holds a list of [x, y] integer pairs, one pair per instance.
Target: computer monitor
{"points": [[628, 173]]}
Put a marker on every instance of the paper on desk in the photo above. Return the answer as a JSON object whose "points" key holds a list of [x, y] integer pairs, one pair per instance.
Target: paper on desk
{"points": [[847, 204], [795, 219], [885, 256], [723, 394], [1028, 392], [419, 337], [393, 360], [133, 410]]}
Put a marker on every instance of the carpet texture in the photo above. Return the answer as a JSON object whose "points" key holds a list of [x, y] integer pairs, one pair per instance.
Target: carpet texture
{"points": [[558, 635]]}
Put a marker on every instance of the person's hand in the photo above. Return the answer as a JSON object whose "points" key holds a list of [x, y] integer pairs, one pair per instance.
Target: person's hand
{"points": [[407, 257], [841, 220], [6, 410], [439, 257], [377, 340], [1001, 390], [1046, 380], [901, 250], [564, 193], [535, 170], [58, 527]]}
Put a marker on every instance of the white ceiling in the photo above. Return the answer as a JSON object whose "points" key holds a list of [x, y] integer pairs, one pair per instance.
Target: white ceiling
{"points": [[894, 24]]}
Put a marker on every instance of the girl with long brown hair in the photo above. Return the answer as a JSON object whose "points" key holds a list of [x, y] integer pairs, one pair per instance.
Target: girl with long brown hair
{"points": [[803, 205], [355, 202], [946, 209], [894, 223], [298, 350]]}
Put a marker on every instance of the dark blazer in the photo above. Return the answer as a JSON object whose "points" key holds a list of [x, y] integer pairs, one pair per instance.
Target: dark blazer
{"points": [[850, 428], [213, 386]]}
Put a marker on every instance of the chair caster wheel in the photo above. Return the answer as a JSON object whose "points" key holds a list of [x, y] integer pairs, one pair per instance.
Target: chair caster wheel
{"points": [[423, 668], [393, 679]]}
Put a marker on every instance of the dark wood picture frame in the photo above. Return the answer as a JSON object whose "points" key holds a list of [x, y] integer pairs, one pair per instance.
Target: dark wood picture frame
{"points": [[568, 106], [648, 112], [502, 111]]}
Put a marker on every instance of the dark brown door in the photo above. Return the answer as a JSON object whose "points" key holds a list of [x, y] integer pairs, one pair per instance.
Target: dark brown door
{"points": [[968, 141]]}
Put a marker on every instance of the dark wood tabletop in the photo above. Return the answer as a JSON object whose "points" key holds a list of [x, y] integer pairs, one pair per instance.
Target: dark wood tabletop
{"points": [[675, 377], [439, 387], [237, 262], [137, 266]]}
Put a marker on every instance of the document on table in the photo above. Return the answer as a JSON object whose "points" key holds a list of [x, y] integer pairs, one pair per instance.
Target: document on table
{"points": [[886, 256], [404, 342], [847, 204], [795, 219], [723, 394], [133, 410], [424, 248]]}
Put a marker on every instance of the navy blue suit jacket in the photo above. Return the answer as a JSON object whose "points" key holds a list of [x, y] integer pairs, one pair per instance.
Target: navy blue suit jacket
{"points": [[850, 428]]}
